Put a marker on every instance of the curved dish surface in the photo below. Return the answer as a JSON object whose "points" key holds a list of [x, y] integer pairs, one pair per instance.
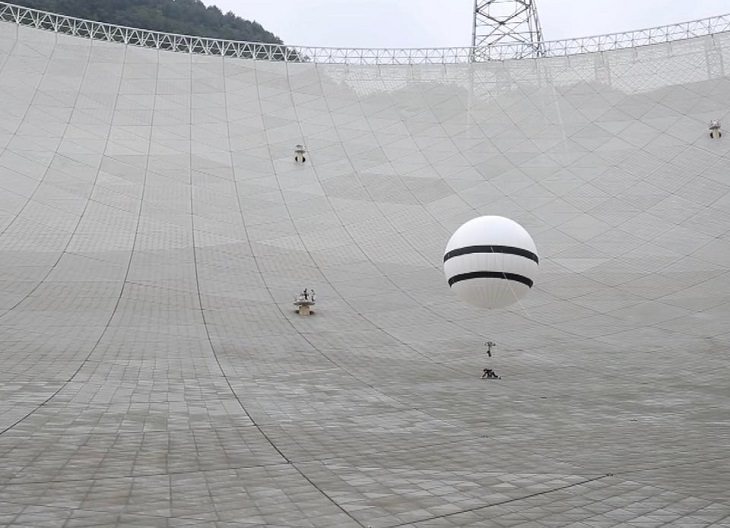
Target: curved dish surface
{"points": [[154, 230]]}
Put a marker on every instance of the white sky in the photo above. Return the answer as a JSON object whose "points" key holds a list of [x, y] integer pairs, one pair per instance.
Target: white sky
{"points": [[427, 23]]}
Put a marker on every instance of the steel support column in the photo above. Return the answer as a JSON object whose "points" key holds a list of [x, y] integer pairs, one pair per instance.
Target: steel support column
{"points": [[506, 22]]}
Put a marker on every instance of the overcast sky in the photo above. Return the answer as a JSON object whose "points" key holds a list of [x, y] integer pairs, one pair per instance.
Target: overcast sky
{"points": [[428, 23]]}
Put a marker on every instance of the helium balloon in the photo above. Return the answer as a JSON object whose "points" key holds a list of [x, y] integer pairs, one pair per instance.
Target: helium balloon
{"points": [[491, 262]]}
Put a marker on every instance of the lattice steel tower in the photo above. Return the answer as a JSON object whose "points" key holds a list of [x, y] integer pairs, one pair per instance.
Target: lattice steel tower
{"points": [[513, 22]]}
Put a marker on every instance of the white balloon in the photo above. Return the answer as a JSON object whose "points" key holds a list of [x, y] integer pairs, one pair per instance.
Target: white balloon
{"points": [[491, 262]]}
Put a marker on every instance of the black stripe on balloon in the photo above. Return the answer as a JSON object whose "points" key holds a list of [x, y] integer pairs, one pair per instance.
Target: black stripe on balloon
{"points": [[491, 275], [507, 250]]}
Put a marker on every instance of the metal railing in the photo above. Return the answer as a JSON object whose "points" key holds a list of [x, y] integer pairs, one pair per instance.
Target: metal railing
{"points": [[377, 56]]}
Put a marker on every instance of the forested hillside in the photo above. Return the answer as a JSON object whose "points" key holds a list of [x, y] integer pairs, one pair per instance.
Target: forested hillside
{"points": [[189, 17]]}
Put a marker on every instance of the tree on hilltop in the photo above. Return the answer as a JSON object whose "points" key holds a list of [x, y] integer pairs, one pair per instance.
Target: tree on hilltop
{"points": [[187, 17]]}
